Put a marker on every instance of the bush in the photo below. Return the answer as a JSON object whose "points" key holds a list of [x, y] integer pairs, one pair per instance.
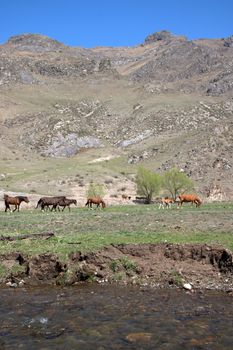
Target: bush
{"points": [[95, 190], [148, 183], [176, 182]]}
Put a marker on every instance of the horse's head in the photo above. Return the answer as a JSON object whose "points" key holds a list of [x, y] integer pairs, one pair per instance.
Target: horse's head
{"points": [[25, 199], [103, 204], [75, 202]]}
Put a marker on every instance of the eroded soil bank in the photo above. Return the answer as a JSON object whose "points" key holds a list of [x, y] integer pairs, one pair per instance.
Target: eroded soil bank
{"points": [[157, 265]]}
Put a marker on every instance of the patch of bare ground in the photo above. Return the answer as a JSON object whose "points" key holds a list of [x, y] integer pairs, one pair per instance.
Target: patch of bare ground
{"points": [[188, 266]]}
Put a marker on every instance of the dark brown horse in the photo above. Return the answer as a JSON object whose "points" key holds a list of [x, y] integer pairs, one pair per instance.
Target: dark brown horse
{"points": [[64, 202], [14, 201], [95, 200], [45, 202]]}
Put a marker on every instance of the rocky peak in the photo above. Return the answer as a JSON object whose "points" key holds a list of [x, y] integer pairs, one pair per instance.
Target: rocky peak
{"points": [[34, 43], [163, 35]]}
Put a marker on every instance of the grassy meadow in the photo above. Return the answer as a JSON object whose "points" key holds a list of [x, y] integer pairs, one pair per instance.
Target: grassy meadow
{"points": [[89, 230]]}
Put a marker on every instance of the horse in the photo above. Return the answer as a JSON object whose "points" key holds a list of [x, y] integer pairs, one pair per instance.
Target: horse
{"points": [[64, 202], [95, 200], [189, 198], [125, 197], [166, 202], [45, 202], [14, 201]]}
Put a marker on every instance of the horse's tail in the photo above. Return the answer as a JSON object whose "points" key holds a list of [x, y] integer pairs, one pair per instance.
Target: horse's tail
{"points": [[88, 202], [39, 203]]}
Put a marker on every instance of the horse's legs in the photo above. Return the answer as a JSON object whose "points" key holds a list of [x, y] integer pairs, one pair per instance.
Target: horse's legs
{"points": [[88, 204], [16, 206], [179, 205], [42, 206], [7, 207]]}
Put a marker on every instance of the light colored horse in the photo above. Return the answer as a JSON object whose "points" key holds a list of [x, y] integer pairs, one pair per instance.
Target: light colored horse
{"points": [[166, 203]]}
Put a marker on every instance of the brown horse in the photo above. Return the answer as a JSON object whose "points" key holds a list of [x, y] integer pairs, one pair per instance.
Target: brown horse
{"points": [[95, 200], [189, 198], [14, 201]]}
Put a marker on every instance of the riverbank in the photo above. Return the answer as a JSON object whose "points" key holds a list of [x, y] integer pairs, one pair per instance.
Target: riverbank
{"points": [[164, 265]]}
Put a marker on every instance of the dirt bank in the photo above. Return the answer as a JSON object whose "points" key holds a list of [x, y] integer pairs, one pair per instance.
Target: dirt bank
{"points": [[157, 265]]}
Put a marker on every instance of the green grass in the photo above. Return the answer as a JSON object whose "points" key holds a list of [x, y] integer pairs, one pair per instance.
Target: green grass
{"points": [[87, 230]]}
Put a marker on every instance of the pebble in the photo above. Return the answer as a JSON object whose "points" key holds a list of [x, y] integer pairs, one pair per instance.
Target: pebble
{"points": [[187, 286], [12, 285]]}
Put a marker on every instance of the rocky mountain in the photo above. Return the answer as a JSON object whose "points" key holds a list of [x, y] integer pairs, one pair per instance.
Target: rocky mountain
{"points": [[163, 103]]}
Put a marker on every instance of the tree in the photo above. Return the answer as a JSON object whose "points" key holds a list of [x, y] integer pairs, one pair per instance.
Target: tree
{"points": [[176, 182], [148, 183], [95, 190]]}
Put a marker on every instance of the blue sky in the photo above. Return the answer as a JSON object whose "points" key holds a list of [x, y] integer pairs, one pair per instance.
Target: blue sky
{"points": [[90, 23]]}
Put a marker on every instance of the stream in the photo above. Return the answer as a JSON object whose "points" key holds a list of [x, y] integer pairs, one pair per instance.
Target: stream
{"points": [[93, 316]]}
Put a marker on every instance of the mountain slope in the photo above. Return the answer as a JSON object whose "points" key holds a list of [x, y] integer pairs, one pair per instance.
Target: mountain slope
{"points": [[164, 103]]}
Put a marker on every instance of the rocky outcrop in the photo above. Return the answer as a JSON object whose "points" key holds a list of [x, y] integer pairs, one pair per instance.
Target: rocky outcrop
{"points": [[216, 194], [228, 42], [164, 36], [34, 43]]}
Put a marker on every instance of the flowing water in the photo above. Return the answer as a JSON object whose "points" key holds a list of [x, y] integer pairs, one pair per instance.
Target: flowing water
{"points": [[112, 317]]}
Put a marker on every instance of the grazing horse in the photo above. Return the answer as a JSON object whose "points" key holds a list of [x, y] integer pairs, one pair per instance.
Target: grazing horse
{"points": [[45, 202], [166, 202], [64, 202], [95, 200], [189, 198], [14, 201]]}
